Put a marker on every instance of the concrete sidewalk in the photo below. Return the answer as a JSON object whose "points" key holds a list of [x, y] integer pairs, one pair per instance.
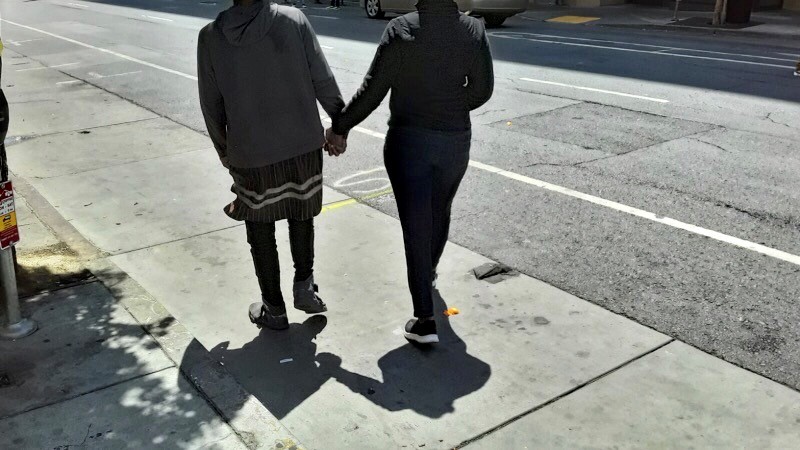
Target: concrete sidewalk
{"points": [[524, 364], [779, 25]]}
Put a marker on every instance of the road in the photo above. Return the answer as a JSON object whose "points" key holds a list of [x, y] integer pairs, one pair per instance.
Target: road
{"points": [[651, 173]]}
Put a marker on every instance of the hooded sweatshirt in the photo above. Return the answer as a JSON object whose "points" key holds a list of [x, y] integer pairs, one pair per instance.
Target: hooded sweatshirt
{"points": [[260, 73], [438, 65]]}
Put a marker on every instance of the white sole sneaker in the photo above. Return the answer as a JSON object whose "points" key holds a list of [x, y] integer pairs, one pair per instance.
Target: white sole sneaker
{"points": [[427, 339]]}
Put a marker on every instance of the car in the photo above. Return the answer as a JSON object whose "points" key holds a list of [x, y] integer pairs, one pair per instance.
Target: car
{"points": [[494, 12]]}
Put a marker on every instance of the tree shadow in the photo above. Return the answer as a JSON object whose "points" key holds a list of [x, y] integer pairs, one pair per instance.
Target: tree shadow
{"points": [[92, 376], [425, 379]]}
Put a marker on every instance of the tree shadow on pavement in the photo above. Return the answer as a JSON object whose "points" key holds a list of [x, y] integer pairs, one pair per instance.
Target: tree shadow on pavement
{"points": [[425, 379], [92, 376]]}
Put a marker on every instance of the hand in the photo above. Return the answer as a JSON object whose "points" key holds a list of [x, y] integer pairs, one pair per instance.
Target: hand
{"points": [[335, 144]]}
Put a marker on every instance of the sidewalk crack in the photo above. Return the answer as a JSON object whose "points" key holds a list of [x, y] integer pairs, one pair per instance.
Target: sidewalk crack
{"points": [[565, 394]]}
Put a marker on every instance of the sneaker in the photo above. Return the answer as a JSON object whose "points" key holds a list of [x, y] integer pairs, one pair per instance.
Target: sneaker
{"points": [[797, 73], [306, 298], [260, 315], [422, 332]]}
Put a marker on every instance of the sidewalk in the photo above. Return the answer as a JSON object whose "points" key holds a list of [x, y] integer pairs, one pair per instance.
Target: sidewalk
{"points": [[784, 25], [524, 364]]}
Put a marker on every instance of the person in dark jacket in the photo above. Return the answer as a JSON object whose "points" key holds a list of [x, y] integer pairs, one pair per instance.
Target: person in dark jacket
{"points": [[261, 72], [438, 66]]}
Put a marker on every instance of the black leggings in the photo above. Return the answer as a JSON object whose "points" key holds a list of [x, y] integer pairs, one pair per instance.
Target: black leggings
{"points": [[263, 247], [425, 168]]}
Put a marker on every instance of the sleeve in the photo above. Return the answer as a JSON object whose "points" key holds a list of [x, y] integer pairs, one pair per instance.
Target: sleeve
{"points": [[211, 102], [481, 76], [325, 88], [376, 84]]}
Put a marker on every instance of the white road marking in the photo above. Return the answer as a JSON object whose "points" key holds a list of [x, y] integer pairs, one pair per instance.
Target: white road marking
{"points": [[633, 50], [758, 248], [635, 44], [323, 17], [98, 76], [70, 82], [105, 50], [78, 5], [47, 67], [362, 130], [157, 18], [752, 246], [793, 55], [18, 43], [582, 88], [353, 180]]}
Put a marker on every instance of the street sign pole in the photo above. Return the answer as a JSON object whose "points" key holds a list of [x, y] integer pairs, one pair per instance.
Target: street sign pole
{"points": [[15, 325]]}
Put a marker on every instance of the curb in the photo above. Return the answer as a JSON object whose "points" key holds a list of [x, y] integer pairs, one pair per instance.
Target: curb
{"points": [[255, 426], [704, 30]]}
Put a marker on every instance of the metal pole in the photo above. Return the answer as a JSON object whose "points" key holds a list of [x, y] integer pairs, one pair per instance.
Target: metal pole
{"points": [[677, 4], [15, 326]]}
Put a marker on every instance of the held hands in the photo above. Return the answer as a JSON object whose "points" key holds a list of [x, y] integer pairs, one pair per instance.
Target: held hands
{"points": [[335, 144]]}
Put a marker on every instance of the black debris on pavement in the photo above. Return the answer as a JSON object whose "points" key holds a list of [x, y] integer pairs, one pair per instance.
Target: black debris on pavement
{"points": [[494, 272]]}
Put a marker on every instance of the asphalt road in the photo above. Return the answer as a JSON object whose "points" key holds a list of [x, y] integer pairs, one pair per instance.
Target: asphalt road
{"points": [[602, 165]]}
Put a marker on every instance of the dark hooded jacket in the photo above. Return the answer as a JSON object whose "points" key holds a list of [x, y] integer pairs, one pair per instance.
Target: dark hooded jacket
{"points": [[260, 73], [438, 65]]}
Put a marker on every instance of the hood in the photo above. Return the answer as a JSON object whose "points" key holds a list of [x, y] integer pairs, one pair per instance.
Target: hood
{"points": [[244, 25]]}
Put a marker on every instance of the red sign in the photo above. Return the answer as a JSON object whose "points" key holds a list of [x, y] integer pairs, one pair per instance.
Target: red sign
{"points": [[9, 232]]}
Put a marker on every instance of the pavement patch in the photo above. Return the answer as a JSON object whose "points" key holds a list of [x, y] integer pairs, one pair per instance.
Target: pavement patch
{"points": [[573, 19], [605, 128]]}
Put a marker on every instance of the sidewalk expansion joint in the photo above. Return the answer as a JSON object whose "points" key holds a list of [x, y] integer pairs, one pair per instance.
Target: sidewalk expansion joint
{"points": [[98, 389], [565, 394]]}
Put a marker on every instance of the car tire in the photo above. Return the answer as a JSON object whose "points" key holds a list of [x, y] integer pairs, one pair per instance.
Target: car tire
{"points": [[494, 20], [373, 9]]}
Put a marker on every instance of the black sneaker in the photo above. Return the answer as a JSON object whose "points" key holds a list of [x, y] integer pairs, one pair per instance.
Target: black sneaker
{"points": [[260, 315], [422, 332], [306, 298]]}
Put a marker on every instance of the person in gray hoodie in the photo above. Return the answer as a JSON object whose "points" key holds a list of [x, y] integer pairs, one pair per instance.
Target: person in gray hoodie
{"points": [[261, 72]]}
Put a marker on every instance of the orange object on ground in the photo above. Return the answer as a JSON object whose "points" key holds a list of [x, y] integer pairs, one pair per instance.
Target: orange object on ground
{"points": [[451, 312]]}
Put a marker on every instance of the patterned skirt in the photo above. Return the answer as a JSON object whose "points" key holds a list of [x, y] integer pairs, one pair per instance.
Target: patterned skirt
{"points": [[290, 189]]}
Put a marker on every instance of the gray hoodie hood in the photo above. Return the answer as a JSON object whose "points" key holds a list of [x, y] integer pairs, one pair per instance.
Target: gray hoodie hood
{"points": [[245, 25]]}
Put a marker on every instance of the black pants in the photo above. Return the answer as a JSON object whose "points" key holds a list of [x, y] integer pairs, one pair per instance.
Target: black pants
{"points": [[425, 168], [264, 248]]}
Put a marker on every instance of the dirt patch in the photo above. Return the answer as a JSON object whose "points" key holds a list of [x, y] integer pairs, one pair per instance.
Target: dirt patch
{"points": [[53, 267]]}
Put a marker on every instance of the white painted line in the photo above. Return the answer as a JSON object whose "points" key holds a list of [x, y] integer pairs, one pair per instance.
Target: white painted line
{"points": [[582, 88], [18, 43], [758, 248], [633, 50], [362, 130], [105, 50], [70, 82], [98, 76], [323, 17], [157, 18], [752, 246], [636, 44], [47, 67]]}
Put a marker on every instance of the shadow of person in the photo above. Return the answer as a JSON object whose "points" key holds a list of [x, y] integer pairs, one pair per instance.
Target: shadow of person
{"points": [[425, 379], [278, 367]]}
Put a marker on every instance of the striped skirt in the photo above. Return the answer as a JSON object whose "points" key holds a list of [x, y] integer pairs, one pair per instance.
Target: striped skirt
{"points": [[290, 189]]}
